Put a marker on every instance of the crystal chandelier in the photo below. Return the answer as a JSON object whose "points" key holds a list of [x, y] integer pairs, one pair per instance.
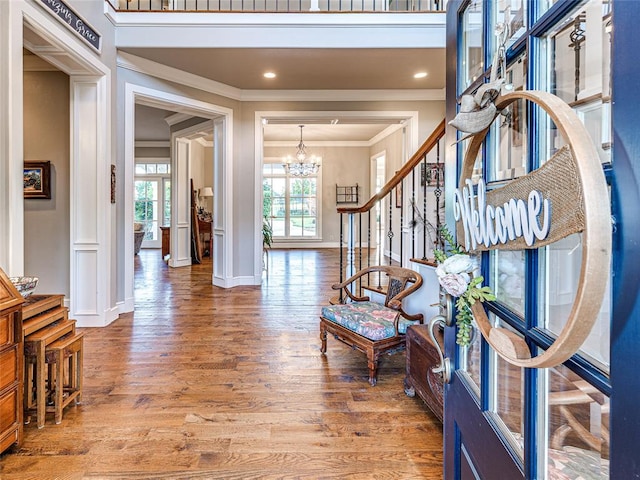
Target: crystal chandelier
{"points": [[302, 165]]}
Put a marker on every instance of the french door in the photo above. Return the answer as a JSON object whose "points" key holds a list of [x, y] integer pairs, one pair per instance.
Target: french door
{"points": [[577, 419], [152, 207]]}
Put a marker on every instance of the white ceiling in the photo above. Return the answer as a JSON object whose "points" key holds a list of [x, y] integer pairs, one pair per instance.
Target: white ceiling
{"points": [[317, 69], [307, 68], [313, 70]]}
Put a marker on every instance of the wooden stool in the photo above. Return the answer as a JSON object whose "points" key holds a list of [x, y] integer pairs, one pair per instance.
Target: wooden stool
{"points": [[69, 349], [34, 354]]}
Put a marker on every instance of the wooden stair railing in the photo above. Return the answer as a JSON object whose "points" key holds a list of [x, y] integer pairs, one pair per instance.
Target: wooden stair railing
{"points": [[420, 181]]}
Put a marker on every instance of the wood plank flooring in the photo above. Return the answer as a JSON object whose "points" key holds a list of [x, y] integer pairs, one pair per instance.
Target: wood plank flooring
{"points": [[209, 383]]}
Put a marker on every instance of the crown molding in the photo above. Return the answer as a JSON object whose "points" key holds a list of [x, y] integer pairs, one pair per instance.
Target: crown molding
{"points": [[154, 69], [177, 118]]}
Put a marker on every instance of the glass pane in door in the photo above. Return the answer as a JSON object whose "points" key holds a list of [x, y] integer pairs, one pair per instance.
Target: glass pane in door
{"points": [[559, 277], [510, 131], [578, 68], [507, 278], [513, 15], [470, 360], [472, 44], [507, 397], [146, 207], [166, 212], [577, 436]]}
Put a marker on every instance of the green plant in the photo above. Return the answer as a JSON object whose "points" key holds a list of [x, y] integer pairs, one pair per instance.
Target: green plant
{"points": [[267, 233], [454, 271]]}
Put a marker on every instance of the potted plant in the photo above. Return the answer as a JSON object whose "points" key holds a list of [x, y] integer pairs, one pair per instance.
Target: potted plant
{"points": [[267, 233]]}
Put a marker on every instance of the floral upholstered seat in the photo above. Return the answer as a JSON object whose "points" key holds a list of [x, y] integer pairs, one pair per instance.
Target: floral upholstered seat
{"points": [[369, 319], [367, 326]]}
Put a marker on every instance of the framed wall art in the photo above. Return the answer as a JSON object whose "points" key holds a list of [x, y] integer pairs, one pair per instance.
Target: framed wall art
{"points": [[432, 174], [399, 195], [36, 179]]}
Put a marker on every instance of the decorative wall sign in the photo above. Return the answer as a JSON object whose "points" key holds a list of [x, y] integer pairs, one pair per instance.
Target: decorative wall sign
{"points": [[36, 179], [73, 20], [567, 195], [498, 224]]}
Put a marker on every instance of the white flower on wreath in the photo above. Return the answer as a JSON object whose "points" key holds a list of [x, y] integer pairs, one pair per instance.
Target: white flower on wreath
{"points": [[455, 284], [458, 263], [453, 273]]}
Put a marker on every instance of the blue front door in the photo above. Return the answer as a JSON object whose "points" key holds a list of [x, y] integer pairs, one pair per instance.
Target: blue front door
{"points": [[578, 419]]}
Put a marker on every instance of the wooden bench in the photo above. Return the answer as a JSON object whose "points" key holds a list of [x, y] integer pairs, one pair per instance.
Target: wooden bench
{"points": [[35, 361], [68, 387]]}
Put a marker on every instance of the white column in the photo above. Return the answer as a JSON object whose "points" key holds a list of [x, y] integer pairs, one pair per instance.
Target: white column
{"points": [[11, 140], [89, 200]]}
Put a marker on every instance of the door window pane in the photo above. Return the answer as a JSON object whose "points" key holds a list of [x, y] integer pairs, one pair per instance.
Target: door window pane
{"points": [[560, 265], [146, 207], [577, 436], [513, 15], [577, 68], [167, 202], [507, 278], [507, 397], [470, 361], [510, 131], [472, 64]]}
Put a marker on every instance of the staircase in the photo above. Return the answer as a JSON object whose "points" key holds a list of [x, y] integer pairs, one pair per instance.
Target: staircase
{"points": [[413, 204]]}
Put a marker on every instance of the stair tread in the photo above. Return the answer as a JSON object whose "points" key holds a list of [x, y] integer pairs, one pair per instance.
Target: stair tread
{"points": [[44, 319], [35, 304], [52, 332]]}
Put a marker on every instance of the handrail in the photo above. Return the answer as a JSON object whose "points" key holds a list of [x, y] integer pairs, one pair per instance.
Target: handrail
{"points": [[413, 162]]}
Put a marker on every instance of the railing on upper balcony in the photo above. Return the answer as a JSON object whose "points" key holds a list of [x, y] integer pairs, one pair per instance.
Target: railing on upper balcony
{"points": [[279, 6], [402, 219]]}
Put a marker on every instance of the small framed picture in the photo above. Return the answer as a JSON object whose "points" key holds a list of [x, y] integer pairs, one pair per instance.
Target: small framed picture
{"points": [[432, 174], [399, 195], [37, 179]]}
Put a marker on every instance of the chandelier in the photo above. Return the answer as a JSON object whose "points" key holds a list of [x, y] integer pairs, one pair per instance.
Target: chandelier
{"points": [[302, 165]]}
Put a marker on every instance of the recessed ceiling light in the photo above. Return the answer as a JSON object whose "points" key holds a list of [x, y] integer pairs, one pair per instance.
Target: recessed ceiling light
{"points": [[269, 75], [420, 75]]}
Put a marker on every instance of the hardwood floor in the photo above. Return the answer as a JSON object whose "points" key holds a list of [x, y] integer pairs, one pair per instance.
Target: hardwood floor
{"points": [[209, 383]]}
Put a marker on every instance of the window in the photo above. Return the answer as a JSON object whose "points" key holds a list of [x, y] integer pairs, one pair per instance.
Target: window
{"points": [[291, 204]]}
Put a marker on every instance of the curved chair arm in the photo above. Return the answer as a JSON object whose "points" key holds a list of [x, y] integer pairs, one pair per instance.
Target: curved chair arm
{"points": [[408, 276], [357, 275]]}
